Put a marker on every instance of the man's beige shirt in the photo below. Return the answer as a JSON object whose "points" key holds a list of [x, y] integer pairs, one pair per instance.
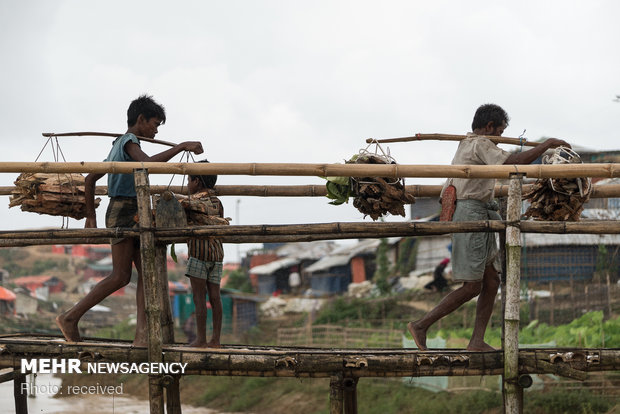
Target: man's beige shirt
{"points": [[476, 150]]}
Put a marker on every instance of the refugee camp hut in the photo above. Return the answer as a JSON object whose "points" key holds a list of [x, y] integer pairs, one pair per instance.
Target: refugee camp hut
{"points": [[292, 257], [239, 310], [25, 302], [421, 254], [273, 276], [7, 302], [565, 257], [349, 264], [41, 286]]}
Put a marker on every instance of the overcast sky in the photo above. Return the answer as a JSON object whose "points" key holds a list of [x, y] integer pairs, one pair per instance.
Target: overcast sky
{"points": [[292, 81]]}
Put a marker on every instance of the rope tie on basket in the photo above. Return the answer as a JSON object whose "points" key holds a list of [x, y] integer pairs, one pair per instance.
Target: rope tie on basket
{"points": [[56, 154], [566, 155], [379, 152], [522, 140], [187, 154]]}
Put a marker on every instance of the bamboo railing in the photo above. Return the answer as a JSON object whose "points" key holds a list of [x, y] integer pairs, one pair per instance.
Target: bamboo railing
{"points": [[324, 170], [316, 190]]}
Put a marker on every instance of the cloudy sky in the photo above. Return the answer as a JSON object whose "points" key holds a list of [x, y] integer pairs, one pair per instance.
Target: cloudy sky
{"points": [[291, 81]]}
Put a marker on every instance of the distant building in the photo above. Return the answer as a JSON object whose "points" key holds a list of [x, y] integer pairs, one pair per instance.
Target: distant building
{"points": [[40, 286], [240, 311], [7, 302], [564, 257], [334, 272], [273, 275]]}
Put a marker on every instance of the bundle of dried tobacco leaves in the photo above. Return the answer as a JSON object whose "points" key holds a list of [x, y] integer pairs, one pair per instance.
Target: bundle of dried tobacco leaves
{"points": [[55, 194], [558, 199]]}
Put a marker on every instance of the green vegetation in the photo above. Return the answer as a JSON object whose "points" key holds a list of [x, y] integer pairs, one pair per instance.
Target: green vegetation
{"points": [[16, 263], [346, 309], [239, 280], [122, 330], [407, 257], [588, 331]]}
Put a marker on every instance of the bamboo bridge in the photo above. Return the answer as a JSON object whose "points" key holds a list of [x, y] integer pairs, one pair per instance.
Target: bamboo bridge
{"points": [[343, 367]]}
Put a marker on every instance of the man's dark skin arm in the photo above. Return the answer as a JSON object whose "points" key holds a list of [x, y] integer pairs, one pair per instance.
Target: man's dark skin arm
{"points": [[528, 157]]}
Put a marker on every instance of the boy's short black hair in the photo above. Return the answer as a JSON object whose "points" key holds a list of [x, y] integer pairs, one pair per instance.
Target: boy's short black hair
{"points": [[208, 181], [146, 106], [489, 113]]}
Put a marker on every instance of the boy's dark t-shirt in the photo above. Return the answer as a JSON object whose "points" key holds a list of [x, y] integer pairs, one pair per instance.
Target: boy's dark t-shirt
{"points": [[121, 185]]}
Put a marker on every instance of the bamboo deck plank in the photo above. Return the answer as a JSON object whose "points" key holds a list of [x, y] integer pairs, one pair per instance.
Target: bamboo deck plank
{"points": [[274, 361]]}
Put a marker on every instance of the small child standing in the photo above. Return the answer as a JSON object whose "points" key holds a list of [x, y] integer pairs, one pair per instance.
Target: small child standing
{"points": [[204, 267]]}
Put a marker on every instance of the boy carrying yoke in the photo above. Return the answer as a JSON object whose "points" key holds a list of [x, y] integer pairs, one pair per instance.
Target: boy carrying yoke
{"points": [[144, 116]]}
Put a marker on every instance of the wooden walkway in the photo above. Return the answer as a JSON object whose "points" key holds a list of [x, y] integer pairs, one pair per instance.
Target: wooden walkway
{"points": [[276, 361]]}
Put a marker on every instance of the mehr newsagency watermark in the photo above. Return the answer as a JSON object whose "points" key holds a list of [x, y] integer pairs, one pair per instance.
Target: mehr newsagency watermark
{"points": [[76, 366]]}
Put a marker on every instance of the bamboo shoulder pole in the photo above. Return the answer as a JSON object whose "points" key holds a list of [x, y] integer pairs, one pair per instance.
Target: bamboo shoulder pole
{"points": [[451, 137], [152, 291], [105, 134], [323, 170], [513, 394]]}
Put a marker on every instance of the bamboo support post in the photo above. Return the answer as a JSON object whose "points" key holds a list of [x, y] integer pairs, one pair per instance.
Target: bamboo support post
{"points": [[451, 137], [349, 386], [173, 394], [513, 394], [336, 394], [21, 397], [152, 289]]}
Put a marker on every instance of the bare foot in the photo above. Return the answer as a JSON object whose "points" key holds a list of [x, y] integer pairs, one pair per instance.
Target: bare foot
{"points": [[480, 347], [68, 328], [418, 334], [213, 344]]}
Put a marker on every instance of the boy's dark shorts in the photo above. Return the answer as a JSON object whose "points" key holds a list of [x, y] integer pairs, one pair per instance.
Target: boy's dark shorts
{"points": [[210, 271], [122, 212]]}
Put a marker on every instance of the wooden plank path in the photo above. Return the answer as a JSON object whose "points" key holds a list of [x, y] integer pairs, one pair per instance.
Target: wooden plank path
{"points": [[277, 361]]}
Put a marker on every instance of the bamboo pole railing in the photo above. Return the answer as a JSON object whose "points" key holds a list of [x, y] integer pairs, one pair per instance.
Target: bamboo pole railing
{"points": [[316, 190], [323, 170], [451, 137], [371, 229]]}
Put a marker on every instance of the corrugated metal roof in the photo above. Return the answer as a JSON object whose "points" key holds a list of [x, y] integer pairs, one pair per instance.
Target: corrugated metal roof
{"points": [[271, 267], [540, 239], [342, 255]]}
